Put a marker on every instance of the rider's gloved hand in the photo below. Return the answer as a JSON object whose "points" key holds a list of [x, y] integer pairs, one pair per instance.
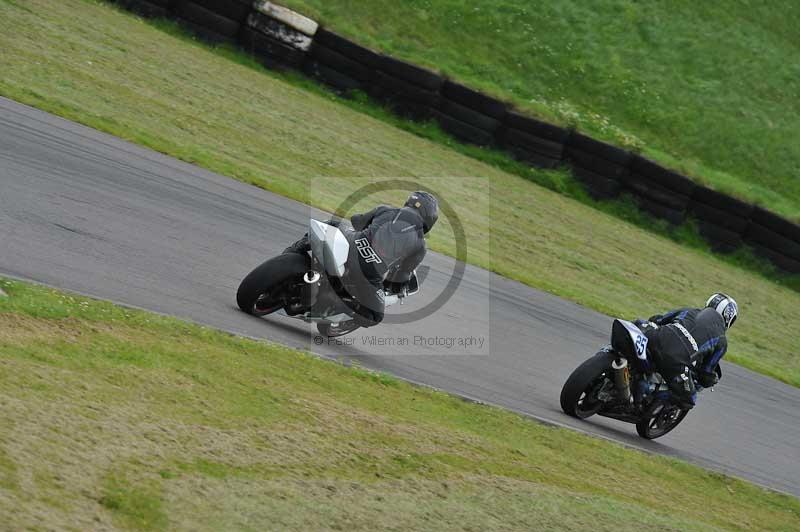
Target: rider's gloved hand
{"points": [[707, 380], [644, 325]]}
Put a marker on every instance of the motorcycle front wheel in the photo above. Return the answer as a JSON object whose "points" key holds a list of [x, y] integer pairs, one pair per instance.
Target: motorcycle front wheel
{"points": [[263, 291], [660, 419]]}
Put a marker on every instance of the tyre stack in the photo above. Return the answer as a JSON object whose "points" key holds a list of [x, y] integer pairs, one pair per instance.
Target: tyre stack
{"points": [[278, 37], [601, 167], [722, 219], [663, 193], [340, 63], [148, 8], [214, 21], [411, 91], [774, 239], [469, 115], [532, 141]]}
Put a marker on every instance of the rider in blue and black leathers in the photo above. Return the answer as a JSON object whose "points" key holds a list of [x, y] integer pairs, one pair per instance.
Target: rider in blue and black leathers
{"points": [[677, 338]]}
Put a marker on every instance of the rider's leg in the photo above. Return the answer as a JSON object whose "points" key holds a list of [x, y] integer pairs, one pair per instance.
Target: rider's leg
{"points": [[679, 379], [671, 356], [371, 304]]}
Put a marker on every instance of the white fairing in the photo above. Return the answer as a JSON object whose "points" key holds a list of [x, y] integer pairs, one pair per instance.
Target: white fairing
{"points": [[329, 246], [638, 338]]}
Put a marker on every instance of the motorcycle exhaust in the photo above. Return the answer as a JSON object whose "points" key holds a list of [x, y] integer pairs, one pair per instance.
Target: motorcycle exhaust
{"points": [[622, 378], [311, 289]]}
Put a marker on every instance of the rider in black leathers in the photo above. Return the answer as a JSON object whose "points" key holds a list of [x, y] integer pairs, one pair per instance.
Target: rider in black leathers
{"points": [[388, 244], [677, 338]]}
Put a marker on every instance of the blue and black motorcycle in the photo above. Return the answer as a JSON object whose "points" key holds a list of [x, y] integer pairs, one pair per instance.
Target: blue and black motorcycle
{"points": [[620, 382]]}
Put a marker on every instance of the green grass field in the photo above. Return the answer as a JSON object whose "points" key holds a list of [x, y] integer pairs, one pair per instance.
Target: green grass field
{"points": [[120, 419], [709, 88], [97, 65]]}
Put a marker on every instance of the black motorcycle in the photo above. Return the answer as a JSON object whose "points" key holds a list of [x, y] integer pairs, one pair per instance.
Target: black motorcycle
{"points": [[314, 286], [620, 382]]}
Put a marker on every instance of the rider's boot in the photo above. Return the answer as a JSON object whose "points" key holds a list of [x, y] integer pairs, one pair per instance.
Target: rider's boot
{"points": [[683, 392]]}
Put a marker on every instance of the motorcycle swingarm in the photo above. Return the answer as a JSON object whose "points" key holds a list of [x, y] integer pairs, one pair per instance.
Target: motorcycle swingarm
{"points": [[621, 416]]}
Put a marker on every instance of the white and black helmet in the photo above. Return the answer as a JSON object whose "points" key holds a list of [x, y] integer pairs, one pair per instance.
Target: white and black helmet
{"points": [[427, 206], [725, 306]]}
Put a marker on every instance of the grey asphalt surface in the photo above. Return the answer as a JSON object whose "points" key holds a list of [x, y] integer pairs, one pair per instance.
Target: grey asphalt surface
{"points": [[86, 212]]}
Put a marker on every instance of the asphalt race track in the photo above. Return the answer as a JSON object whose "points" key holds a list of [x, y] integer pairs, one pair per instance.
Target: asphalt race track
{"points": [[87, 212]]}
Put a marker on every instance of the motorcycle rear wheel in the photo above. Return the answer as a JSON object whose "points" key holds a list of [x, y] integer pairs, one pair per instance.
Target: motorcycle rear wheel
{"points": [[656, 424], [263, 291], [577, 394]]}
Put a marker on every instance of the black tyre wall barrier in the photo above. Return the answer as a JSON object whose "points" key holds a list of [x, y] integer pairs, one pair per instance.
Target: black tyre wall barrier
{"points": [[761, 236], [657, 200], [271, 52], [147, 8], [340, 63], [599, 149], [151, 9], [468, 116], [720, 238], [463, 131], [341, 83], [775, 223], [724, 215], [775, 239], [412, 74], [515, 120], [235, 10], [407, 99], [722, 202], [718, 217], [599, 187], [651, 190], [348, 48], [287, 17], [278, 43], [413, 92], [472, 116], [474, 100], [281, 38], [659, 210], [522, 148], [278, 31], [207, 24], [596, 163], [778, 259], [533, 141], [647, 170]]}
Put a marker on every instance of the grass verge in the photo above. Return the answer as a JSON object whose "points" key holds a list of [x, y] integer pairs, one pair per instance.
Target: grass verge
{"points": [[149, 83], [706, 88], [114, 418]]}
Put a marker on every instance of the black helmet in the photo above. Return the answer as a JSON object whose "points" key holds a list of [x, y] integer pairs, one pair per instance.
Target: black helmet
{"points": [[427, 206], [725, 306]]}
